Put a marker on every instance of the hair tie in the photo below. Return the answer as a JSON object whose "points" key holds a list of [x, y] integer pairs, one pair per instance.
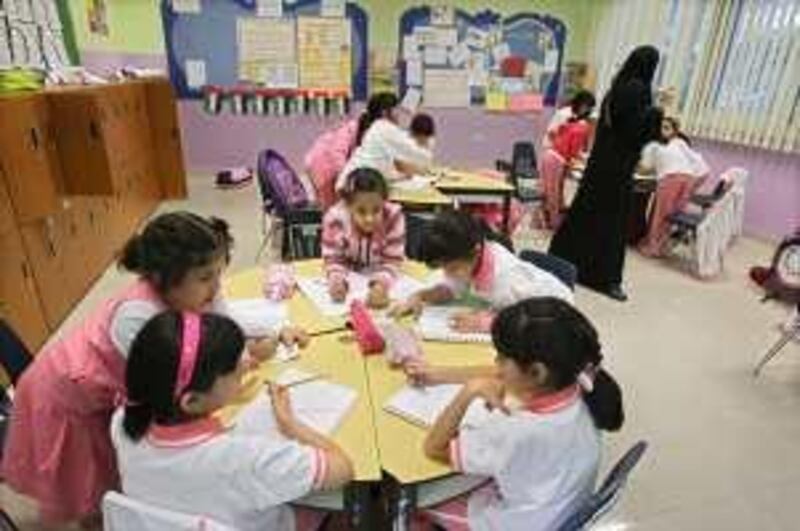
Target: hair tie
{"points": [[586, 378], [188, 354]]}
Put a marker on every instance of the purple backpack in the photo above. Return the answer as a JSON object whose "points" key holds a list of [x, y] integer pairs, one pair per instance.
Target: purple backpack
{"points": [[281, 189]]}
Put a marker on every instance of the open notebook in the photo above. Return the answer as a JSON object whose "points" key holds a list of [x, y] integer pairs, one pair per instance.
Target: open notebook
{"points": [[421, 406], [257, 317], [434, 325], [320, 404], [316, 289]]}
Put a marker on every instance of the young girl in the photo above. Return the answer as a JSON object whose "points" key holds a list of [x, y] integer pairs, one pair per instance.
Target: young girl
{"points": [[679, 171], [173, 453], [566, 146], [463, 247], [381, 143], [580, 107], [539, 443], [363, 232], [58, 450]]}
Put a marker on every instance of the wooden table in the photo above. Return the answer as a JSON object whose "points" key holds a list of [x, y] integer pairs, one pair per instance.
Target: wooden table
{"points": [[471, 187], [428, 198]]}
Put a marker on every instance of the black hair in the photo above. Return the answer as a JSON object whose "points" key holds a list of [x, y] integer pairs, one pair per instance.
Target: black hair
{"points": [[552, 332], [377, 107], [676, 126], [364, 180], [580, 99], [153, 362], [422, 125], [172, 244], [456, 235]]}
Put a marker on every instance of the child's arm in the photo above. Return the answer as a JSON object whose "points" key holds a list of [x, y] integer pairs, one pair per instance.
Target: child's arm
{"points": [[339, 469], [439, 294], [334, 256], [264, 348], [405, 149], [422, 374], [445, 429]]}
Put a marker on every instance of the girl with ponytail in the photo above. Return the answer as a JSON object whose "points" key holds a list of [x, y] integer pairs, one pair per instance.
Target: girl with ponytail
{"points": [[381, 144], [64, 401], [538, 438], [477, 260], [175, 453]]}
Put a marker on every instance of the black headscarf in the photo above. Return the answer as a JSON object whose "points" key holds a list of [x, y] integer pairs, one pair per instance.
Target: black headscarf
{"points": [[640, 65]]}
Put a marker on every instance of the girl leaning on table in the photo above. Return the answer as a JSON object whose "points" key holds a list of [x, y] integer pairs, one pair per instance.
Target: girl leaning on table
{"points": [[530, 424], [175, 453]]}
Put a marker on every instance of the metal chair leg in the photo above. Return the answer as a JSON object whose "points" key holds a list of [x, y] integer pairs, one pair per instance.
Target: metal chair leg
{"points": [[787, 336]]}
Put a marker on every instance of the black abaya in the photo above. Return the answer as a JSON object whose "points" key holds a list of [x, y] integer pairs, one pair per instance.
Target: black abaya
{"points": [[592, 236]]}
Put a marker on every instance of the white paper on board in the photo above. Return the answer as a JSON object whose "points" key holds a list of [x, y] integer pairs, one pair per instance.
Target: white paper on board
{"points": [[414, 72], [446, 87], [411, 48], [187, 6], [332, 8], [195, 70], [435, 55], [425, 35], [269, 8], [476, 38], [443, 15], [478, 74], [459, 55], [500, 52], [411, 99], [550, 60]]}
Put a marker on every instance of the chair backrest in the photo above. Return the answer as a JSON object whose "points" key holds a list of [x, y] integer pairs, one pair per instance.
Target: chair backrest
{"points": [[606, 497], [558, 267], [281, 189], [523, 161], [121, 513], [14, 355]]}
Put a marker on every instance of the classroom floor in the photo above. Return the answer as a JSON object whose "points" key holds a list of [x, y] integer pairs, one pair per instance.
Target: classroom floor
{"points": [[723, 446]]}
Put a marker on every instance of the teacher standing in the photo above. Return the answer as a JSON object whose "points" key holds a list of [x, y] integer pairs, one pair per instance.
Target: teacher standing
{"points": [[592, 236]]}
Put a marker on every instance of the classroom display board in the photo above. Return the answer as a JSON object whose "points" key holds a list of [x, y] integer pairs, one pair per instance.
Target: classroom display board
{"points": [[304, 45], [31, 34], [451, 58]]}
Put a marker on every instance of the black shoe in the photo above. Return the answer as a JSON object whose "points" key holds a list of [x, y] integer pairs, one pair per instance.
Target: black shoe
{"points": [[616, 292]]}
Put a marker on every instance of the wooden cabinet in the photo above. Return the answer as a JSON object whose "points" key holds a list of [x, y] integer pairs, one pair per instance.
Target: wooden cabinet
{"points": [[166, 138], [28, 159], [19, 299], [7, 222]]}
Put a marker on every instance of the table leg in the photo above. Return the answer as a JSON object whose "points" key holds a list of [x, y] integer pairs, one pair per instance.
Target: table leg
{"points": [[405, 504], [360, 506]]}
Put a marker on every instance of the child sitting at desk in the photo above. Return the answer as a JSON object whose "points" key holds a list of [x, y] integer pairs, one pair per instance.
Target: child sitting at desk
{"points": [[540, 442], [465, 249], [382, 143], [679, 171], [64, 401], [175, 454], [363, 232], [423, 130]]}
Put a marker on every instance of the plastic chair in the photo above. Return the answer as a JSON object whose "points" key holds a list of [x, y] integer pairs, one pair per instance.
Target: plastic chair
{"points": [[560, 268], [121, 513], [523, 172], [607, 496]]}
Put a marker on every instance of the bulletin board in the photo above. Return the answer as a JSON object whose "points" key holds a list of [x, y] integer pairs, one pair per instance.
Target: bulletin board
{"points": [[512, 63], [315, 44], [32, 34]]}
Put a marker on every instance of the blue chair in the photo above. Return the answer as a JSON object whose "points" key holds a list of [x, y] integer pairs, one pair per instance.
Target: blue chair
{"points": [[560, 268], [14, 359], [602, 501]]}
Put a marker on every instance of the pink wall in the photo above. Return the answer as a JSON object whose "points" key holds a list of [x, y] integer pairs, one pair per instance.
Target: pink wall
{"points": [[467, 137]]}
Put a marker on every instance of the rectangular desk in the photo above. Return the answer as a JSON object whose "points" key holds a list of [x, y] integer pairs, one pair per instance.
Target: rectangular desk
{"points": [[471, 187], [424, 199]]}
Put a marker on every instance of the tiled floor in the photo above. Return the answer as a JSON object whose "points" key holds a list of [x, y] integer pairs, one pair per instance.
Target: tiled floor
{"points": [[723, 446]]}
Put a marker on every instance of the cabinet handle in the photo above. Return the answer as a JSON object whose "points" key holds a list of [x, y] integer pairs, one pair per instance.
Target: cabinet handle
{"points": [[34, 138], [94, 131], [48, 234], [26, 274]]}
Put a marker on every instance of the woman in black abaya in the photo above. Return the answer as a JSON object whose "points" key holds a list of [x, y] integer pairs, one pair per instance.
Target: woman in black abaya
{"points": [[592, 235]]}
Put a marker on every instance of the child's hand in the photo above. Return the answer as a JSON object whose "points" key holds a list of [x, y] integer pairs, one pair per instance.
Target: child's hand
{"points": [[411, 306], [282, 409], [294, 335], [491, 390], [420, 374], [467, 322], [338, 290], [262, 349], [378, 296]]}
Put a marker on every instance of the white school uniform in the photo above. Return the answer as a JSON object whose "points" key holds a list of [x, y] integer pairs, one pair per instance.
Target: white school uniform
{"points": [[502, 279], [384, 143], [559, 118], [543, 460], [673, 158], [241, 476]]}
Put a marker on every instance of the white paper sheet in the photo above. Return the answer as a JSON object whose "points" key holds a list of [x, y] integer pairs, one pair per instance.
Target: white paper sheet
{"points": [[414, 72], [446, 87], [332, 8], [500, 52], [435, 55], [316, 289], [414, 183], [269, 8], [459, 55], [195, 73], [476, 38], [434, 325], [412, 98], [443, 15], [411, 48], [187, 6], [550, 60], [321, 404], [421, 405], [257, 317]]}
